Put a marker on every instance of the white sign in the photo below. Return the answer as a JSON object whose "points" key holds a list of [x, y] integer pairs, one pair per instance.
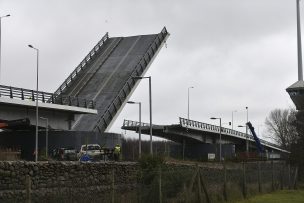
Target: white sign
{"points": [[211, 156]]}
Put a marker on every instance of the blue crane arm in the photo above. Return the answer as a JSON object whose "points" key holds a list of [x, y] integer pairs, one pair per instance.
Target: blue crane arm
{"points": [[257, 140]]}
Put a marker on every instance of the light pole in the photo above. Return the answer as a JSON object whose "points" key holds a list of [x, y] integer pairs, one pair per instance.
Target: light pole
{"points": [[188, 118], [247, 144], [300, 68], [36, 137], [46, 136], [189, 103], [232, 118], [213, 118], [139, 127], [150, 105], [0, 40]]}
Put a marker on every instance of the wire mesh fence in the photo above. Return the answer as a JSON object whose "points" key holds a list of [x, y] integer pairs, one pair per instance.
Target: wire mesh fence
{"points": [[220, 183]]}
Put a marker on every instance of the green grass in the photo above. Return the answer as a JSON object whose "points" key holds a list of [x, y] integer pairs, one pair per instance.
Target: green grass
{"points": [[283, 196]]}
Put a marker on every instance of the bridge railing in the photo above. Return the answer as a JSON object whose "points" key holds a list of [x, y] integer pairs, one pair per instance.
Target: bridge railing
{"points": [[129, 123], [216, 129], [82, 65], [45, 97], [104, 121]]}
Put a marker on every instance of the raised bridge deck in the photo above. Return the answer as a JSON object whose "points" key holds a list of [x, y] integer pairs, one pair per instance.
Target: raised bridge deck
{"points": [[106, 76]]}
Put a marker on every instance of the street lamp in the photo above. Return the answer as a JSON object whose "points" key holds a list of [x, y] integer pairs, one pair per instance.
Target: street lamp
{"points": [[188, 103], [150, 104], [0, 40], [214, 118], [232, 118], [46, 136], [139, 128], [36, 138], [247, 144], [188, 118]]}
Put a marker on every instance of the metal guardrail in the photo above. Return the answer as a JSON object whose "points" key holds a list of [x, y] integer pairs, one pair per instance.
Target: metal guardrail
{"points": [[82, 65], [111, 110], [216, 129], [129, 123], [45, 97]]}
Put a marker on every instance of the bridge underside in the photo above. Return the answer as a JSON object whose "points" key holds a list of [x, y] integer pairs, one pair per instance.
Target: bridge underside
{"points": [[181, 135]]}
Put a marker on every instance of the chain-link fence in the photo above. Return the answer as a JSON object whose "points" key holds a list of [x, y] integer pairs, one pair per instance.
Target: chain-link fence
{"points": [[213, 183]]}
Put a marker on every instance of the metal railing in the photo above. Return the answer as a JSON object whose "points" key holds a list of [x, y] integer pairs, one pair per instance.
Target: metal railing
{"points": [[84, 80], [129, 123], [45, 97], [111, 110], [82, 65], [216, 129]]}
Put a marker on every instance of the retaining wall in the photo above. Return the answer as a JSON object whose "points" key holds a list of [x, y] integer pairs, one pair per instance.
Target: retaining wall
{"points": [[64, 181], [127, 182]]}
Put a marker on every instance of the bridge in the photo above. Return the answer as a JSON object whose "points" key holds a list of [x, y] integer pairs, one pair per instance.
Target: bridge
{"points": [[87, 102], [106, 76], [189, 132], [19, 103], [94, 93]]}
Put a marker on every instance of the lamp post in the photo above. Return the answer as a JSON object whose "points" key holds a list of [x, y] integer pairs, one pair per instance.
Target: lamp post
{"points": [[214, 118], [188, 117], [300, 68], [46, 136], [150, 105], [139, 128], [36, 137], [0, 40], [232, 118], [189, 103], [247, 144]]}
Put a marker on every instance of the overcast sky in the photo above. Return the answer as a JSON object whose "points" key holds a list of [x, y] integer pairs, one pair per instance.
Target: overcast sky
{"points": [[236, 53]]}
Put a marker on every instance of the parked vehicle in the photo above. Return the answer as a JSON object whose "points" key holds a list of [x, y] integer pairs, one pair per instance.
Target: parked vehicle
{"points": [[68, 154], [92, 150]]}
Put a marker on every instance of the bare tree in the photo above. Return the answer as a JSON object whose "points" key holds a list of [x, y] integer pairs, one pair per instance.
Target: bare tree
{"points": [[281, 128]]}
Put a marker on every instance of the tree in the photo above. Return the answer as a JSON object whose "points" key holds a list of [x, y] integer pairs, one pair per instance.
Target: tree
{"points": [[281, 127]]}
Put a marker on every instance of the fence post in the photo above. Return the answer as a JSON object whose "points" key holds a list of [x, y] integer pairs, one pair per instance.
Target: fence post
{"points": [[160, 185], [112, 185], [186, 198], [272, 176], [259, 176], [289, 177], [295, 179], [28, 188], [225, 182], [282, 175], [140, 185], [244, 181], [196, 173], [199, 187], [204, 187]]}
